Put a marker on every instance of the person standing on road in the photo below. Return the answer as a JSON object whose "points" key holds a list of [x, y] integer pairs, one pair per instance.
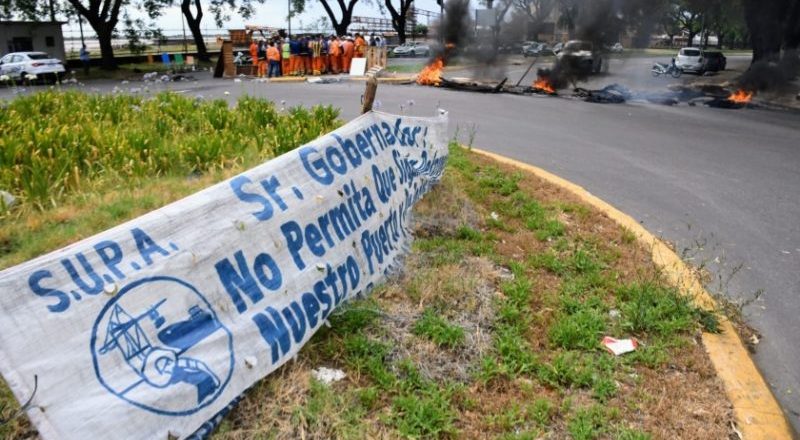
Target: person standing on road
{"points": [[274, 57], [294, 54], [324, 59], [84, 56], [335, 51], [262, 58], [315, 49], [360, 46], [347, 54], [285, 54], [254, 56], [305, 56]]}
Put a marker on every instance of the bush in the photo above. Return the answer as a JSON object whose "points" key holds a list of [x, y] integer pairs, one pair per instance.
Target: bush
{"points": [[54, 143]]}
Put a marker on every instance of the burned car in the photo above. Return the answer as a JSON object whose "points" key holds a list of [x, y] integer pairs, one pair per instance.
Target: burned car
{"points": [[581, 56]]}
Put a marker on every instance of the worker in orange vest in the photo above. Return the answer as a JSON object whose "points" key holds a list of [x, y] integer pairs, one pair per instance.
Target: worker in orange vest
{"points": [[254, 56], [262, 59], [274, 57], [348, 50], [360, 46], [315, 49], [335, 52]]}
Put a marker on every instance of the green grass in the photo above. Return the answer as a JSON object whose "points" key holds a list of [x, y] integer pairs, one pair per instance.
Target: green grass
{"points": [[406, 68], [435, 328]]}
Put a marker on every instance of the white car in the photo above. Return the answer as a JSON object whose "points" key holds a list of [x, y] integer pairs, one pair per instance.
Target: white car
{"points": [[413, 49], [690, 59], [18, 65]]}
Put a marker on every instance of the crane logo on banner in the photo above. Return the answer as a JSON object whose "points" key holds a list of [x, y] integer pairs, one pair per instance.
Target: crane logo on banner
{"points": [[165, 346]]}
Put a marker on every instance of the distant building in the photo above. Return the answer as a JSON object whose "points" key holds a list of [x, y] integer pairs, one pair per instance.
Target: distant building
{"points": [[27, 36]]}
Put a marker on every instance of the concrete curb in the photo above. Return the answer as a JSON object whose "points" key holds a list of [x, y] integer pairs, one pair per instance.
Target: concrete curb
{"points": [[757, 413]]}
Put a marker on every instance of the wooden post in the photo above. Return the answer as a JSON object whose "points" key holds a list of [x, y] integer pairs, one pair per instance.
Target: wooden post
{"points": [[369, 95]]}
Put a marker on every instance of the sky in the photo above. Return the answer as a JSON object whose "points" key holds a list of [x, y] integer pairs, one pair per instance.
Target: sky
{"points": [[270, 13]]}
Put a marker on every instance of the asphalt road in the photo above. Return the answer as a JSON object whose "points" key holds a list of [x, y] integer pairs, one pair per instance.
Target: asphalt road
{"points": [[722, 184]]}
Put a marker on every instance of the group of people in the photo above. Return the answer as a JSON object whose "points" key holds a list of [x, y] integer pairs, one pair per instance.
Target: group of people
{"points": [[314, 55]]}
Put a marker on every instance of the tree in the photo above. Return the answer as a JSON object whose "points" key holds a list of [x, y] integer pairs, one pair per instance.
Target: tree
{"points": [[537, 12], [340, 25], [399, 16]]}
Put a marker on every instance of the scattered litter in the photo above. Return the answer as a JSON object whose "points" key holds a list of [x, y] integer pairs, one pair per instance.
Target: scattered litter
{"points": [[328, 375], [165, 78], [321, 80], [754, 340], [494, 216], [226, 93], [7, 199], [785, 252], [250, 361], [614, 314], [619, 346], [237, 80]]}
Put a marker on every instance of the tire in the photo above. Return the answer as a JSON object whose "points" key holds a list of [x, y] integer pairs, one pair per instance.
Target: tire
{"points": [[656, 73], [21, 79], [677, 73]]}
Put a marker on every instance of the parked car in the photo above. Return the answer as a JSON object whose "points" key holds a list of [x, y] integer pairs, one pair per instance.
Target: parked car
{"points": [[527, 44], [514, 48], [558, 47], [538, 50], [690, 59], [714, 61], [581, 55], [616, 48], [412, 49], [17, 65]]}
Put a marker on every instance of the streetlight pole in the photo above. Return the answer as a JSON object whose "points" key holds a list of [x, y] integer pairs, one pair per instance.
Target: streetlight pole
{"points": [[289, 18], [183, 24]]}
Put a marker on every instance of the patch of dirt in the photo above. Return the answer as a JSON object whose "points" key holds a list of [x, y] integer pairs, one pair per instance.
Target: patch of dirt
{"points": [[467, 301]]}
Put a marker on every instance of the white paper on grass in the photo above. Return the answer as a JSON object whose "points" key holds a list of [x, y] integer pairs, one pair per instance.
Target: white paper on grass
{"points": [[154, 326]]}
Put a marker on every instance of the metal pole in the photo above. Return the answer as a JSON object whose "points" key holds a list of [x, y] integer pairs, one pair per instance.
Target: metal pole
{"points": [[80, 26], [183, 24], [289, 18]]}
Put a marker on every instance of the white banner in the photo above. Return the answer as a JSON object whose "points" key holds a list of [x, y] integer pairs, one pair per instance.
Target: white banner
{"points": [[151, 328]]}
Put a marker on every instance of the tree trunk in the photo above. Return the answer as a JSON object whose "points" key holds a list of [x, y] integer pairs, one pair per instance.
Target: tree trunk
{"points": [[106, 49], [401, 31], [763, 22], [194, 26]]}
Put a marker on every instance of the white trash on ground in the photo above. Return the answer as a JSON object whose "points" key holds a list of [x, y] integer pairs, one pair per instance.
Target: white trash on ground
{"points": [[619, 346], [328, 375]]}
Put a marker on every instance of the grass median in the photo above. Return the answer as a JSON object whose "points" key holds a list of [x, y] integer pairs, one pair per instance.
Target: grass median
{"points": [[491, 330]]}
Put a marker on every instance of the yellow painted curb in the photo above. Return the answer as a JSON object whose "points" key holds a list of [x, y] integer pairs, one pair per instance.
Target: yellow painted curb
{"points": [[757, 413], [288, 79]]}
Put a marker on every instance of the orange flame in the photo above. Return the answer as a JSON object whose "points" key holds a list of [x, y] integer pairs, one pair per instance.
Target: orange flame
{"points": [[741, 96], [542, 84], [431, 75]]}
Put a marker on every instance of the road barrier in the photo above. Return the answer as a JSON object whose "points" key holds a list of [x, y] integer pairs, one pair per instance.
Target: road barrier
{"points": [[153, 327]]}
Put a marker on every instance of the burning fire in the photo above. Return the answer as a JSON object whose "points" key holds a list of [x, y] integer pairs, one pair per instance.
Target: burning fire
{"points": [[741, 96], [431, 74], [542, 84]]}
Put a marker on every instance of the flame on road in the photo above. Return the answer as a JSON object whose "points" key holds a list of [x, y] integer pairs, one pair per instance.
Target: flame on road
{"points": [[741, 97], [542, 84], [431, 75]]}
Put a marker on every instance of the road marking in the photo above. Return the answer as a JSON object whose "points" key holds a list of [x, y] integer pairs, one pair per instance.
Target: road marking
{"points": [[757, 413]]}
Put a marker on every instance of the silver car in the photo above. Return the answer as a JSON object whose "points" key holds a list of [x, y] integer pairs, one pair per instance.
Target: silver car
{"points": [[26, 65], [690, 59], [412, 49]]}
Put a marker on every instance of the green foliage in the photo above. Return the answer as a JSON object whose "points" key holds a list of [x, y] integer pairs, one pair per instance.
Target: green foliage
{"points": [[498, 182], [426, 412], [435, 328], [580, 330], [588, 423], [653, 308], [55, 143], [632, 434], [573, 369]]}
